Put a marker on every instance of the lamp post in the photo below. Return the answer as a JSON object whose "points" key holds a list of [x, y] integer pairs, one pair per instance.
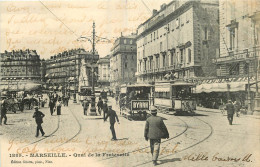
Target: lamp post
{"points": [[74, 95]]}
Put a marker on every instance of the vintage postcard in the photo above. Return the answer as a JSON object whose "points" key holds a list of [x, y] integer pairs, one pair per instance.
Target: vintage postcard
{"points": [[101, 83]]}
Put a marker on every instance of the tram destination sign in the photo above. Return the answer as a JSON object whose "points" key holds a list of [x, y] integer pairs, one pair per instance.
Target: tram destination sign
{"points": [[139, 105]]}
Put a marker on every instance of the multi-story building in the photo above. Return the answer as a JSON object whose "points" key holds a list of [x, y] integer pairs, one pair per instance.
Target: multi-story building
{"points": [[239, 45], [179, 40], [104, 71], [63, 69], [123, 61], [20, 70]]}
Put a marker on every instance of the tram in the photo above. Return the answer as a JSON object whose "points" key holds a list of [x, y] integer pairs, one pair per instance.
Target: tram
{"points": [[85, 93], [176, 96], [135, 100]]}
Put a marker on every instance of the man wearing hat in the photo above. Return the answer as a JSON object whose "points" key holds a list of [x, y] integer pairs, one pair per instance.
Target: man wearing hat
{"points": [[230, 111], [38, 115], [3, 108], [112, 117], [155, 130], [105, 109]]}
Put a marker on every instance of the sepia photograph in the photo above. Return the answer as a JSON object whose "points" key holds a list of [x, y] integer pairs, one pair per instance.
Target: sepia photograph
{"points": [[129, 83]]}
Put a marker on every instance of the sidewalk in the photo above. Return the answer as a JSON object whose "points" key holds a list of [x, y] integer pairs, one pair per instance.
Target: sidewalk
{"points": [[219, 111]]}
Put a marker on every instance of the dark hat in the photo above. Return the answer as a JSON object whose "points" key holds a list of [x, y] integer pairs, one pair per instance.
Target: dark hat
{"points": [[153, 110]]}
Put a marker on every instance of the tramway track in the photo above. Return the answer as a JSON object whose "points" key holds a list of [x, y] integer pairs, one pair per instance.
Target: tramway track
{"points": [[186, 148], [181, 133], [78, 132]]}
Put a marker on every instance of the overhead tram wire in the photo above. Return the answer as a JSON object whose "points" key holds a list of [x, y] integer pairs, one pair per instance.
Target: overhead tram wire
{"points": [[59, 19], [146, 6]]}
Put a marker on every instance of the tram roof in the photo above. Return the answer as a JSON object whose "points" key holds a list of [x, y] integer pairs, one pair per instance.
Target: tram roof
{"points": [[138, 85]]}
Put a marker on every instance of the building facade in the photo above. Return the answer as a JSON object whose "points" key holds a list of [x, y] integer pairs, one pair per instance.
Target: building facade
{"points": [[239, 47], [104, 72], [63, 70], [239, 38], [20, 70], [179, 41], [123, 61]]}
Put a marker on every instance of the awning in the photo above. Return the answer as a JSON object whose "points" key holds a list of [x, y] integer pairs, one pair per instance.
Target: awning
{"points": [[162, 89], [123, 90], [221, 87]]}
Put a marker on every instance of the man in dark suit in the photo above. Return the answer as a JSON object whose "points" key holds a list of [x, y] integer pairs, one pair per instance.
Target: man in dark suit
{"points": [[51, 105], [230, 111], [113, 118], [155, 130], [105, 109], [3, 108], [38, 115]]}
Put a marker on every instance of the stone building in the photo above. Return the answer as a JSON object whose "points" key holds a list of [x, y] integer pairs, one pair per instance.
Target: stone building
{"points": [[63, 69], [20, 70], [239, 37], [104, 71], [123, 61], [180, 40], [238, 61]]}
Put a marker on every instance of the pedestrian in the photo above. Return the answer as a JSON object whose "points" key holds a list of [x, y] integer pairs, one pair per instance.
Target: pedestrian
{"points": [[155, 130], [105, 109], [237, 106], [112, 118], [59, 104], [3, 111], [51, 105], [38, 115], [85, 105], [230, 111], [100, 105]]}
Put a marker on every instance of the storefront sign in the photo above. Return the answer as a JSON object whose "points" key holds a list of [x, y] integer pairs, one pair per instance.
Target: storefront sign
{"points": [[240, 56], [140, 105]]}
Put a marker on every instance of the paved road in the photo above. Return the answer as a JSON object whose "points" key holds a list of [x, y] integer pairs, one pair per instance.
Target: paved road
{"points": [[204, 140]]}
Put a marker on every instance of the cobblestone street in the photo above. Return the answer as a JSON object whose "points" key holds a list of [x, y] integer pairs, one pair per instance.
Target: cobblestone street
{"points": [[203, 140]]}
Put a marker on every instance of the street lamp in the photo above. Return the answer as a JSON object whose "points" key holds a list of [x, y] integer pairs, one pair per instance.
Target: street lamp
{"points": [[74, 94]]}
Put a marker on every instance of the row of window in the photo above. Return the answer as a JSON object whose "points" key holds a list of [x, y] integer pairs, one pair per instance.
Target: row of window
{"points": [[175, 24]]}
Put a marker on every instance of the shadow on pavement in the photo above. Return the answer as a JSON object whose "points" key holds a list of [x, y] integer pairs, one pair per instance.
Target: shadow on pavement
{"points": [[169, 160], [189, 114], [123, 139]]}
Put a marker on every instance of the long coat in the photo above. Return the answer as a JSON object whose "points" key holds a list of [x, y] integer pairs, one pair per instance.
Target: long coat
{"points": [[155, 128], [230, 108], [112, 116]]}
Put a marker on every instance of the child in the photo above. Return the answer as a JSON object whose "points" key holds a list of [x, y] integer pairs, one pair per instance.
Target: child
{"points": [[38, 115]]}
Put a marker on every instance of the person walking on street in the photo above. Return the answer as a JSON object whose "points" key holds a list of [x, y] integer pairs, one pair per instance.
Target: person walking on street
{"points": [[3, 112], [237, 106], [105, 109], [85, 105], [38, 115], [59, 104], [112, 118], [51, 105], [230, 111], [155, 130], [100, 105]]}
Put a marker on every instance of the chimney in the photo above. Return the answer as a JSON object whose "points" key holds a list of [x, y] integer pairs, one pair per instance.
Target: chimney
{"points": [[163, 6], [6, 52], [12, 52], [121, 34], [154, 12]]}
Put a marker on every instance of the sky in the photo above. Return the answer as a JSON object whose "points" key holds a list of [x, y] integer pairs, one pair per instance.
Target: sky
{"points": [[51, 27]]}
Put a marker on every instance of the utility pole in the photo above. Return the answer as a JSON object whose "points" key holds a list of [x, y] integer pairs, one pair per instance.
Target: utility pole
{"points": [[93, 98]]}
